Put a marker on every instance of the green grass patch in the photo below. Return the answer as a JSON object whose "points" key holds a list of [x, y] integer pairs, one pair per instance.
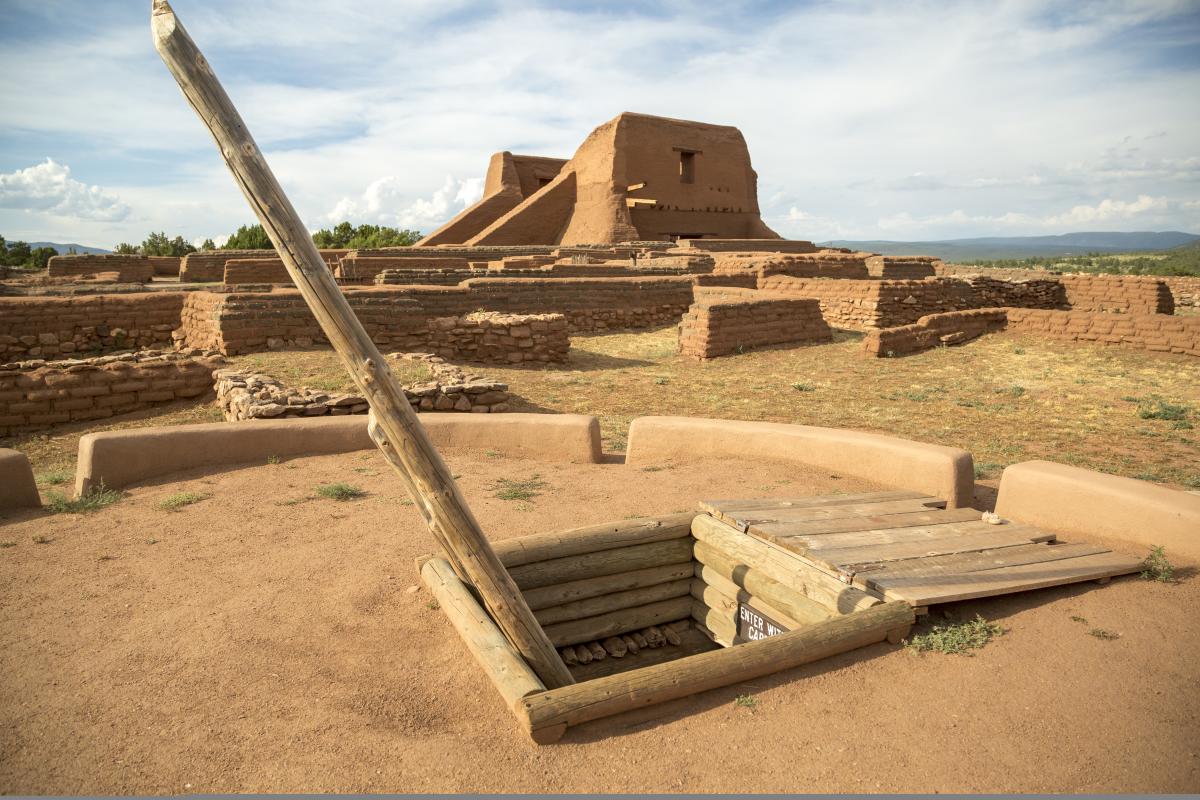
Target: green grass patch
{"points": [[90, 501], [984, 469], [956, 637], [340, 491], [180, 500], [746, 701], [1156, 567], [1161, 409], [53, 477], [507, 489]]}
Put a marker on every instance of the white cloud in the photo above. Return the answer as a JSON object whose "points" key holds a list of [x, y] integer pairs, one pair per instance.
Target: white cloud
{"points": [[387, 201], [49, 188], [1142, 211]]}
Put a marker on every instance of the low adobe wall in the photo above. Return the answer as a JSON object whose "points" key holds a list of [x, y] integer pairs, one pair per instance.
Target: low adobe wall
{"points": [[748, 245], [46, 327], [717, 327], [943, 472], [1082, 502], [1118, 294], [849, 266], [122, 458], [366, 268], [1161, 333], [902, 267], [205, 266], [128, 268], [402, 317], [45, 394], [18, 489], [1185, 290]]}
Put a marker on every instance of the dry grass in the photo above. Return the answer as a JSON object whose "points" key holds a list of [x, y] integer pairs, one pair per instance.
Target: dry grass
{"points": [[1004, 398], [320, 369]]}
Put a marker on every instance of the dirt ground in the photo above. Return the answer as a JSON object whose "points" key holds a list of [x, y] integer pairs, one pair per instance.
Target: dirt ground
{"points": [[263, 640]]}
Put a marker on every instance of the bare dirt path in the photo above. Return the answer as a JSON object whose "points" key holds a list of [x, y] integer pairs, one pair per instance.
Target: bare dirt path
{"points": [[263, 641]]}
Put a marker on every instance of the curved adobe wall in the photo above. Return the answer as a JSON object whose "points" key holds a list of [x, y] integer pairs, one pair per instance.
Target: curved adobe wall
{"points": [[122, 458], [944, 472], [1073, 500]]}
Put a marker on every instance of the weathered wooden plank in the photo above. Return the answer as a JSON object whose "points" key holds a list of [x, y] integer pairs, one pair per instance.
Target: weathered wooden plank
{"points": [[593, 606], [719, 507], [779, 531], [719, 624], [721, 595], [510, 674], [593, 538], [602, 626], [604, 562], [546, 715], [952, 588], [841, 511], [884, 535], [852, 558], [571, 591], [959, 563], [711, 559], [782, 566], [392, 424]]}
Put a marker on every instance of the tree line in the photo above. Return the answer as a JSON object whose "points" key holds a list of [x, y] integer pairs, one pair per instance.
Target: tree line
{"points": [[253, 237], [20, 254]]}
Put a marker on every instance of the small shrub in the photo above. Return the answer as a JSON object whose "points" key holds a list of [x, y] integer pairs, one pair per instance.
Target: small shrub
{"points": [[1156, 567], [956, 637], [179, 500], [272, 459], [340, 491], [53, 477], [93, 500], [1100, 633], [745, 701], [660, 381], [802, 386], [39, 539], [519, 490], [8, 544], [1020, 351], [1080, 620], [433, 605], [1016, 390], [1160, 409]]}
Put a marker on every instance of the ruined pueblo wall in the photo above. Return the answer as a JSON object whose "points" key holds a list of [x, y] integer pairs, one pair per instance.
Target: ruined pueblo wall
{"points": [[848, 266], [718, 327], [1185, 290], [39, 395], [366, 268], [862, 305], [256, 270], [1161, 333], [793, 246], [46, 327], [129, 268], [400, 317], [205, 266], [1120, 294]]}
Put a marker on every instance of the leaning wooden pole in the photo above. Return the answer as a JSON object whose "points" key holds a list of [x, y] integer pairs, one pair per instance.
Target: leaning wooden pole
{"points": [[392, 424]]}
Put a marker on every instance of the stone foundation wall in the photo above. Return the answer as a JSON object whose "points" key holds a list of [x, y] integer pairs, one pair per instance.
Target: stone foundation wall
{"points": [[748, 245], [1163, 333], [1118, 294], [1185, 290], [902, 267], [717, 327], [366, 268], [244, 395], [423, 277], [850, 266], [46, 327], [206, 266], [40, 394], [129, 268]]}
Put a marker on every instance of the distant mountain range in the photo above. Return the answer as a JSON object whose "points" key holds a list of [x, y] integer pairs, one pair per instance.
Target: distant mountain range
{"points": [[992, 247], [81, 249]]}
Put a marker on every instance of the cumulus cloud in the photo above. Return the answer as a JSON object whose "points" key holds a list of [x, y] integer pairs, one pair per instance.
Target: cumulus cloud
{"points": [[50, 189], [1142, 210], [388, 201]]}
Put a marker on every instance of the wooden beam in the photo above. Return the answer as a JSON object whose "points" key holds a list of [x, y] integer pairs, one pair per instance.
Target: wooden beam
{"points": [[604, 562], [572, 591], [580, 609], [547, 715], [757, 584], [508, 672], [608, 536], [602, 626], [392, 425]]}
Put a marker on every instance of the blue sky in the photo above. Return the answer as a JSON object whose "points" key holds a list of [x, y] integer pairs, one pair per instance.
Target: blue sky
{"points": [[865, 120]]}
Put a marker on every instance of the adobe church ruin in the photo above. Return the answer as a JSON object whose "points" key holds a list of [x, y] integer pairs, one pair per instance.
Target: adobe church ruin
{"points": [[636, 178]]}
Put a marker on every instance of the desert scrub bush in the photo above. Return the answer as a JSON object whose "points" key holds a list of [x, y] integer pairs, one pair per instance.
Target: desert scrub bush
{"points": [[179, 500], [92, 500], [1156, 567], [1161, 409], [340, 491], [745, 701], [956, 637], [527, 489]]}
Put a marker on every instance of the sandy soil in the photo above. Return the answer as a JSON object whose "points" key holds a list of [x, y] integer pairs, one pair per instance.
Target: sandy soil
{"points": [[262, 641]]}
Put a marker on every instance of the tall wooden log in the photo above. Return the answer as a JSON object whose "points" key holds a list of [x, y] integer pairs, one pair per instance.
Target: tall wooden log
{"points": [[393, 425]]}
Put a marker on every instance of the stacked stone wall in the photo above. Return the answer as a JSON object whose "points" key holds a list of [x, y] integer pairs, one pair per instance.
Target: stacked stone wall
{"points": [[47, 327], [718, 327], [748, 245], [39, 394], [256, 270], [902, 267], [1162, 333], [366, 268], [208, 266], [1185, 290], [850, 266], [1118, 294], [129, 268]]}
